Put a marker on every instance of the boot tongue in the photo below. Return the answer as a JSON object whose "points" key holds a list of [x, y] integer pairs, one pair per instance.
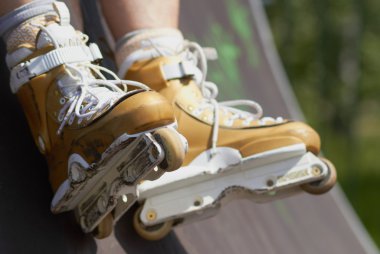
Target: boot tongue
{"points": [[64, 36], [60, 35], [68, 86], [63, 33]]}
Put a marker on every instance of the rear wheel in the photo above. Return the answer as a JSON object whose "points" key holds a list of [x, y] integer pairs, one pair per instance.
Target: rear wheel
{"points": [[151, 233], [104, 228], [174, 148]]}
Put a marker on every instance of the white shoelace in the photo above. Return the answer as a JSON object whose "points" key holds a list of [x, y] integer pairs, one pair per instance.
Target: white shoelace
{"points": [[91, 95], [193, 52], [86, 94]]}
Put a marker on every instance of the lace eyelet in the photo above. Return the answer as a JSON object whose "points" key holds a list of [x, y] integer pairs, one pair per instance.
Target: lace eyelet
{"points": [[262, 122], [197, 111], [246, 123], [61, 117], [229, 122], [62, 101]]}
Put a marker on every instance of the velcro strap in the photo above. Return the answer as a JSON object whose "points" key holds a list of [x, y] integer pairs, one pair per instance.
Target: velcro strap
{"points": [[180, 70], [23, 72]]}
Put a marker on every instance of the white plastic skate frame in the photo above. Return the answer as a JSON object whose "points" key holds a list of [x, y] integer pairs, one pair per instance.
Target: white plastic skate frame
{"points": [[198, 190]]}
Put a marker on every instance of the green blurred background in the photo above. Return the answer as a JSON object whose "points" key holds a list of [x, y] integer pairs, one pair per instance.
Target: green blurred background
{"points": [[331, 53]]}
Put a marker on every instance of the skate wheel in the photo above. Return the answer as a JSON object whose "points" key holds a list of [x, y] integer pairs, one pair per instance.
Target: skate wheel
{"points": [[104, 228], [173, 147], [322, 186], [151, 233]]}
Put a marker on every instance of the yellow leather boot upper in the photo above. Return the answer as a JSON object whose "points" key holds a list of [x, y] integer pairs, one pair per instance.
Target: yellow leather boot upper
{"points": [[59, 132], [195, 120]]}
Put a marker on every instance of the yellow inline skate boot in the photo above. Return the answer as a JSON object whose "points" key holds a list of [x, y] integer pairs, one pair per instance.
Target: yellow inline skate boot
{"points": [[231, 151], [99, 140]]}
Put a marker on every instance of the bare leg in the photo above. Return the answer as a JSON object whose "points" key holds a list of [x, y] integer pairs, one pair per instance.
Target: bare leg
{"points": [[124, 16]]}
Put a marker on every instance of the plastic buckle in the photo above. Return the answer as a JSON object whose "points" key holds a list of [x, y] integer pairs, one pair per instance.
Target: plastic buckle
{"points": [[22, 71], [95, 53], [187, 68], [20, 74]]}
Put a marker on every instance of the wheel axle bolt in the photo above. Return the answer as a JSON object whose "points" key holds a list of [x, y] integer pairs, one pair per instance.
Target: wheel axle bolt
{"points": [[151, 215], [316, 171]]}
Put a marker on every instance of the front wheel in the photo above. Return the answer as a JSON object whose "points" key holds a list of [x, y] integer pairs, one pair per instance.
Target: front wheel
{"points": [[324, 185]]}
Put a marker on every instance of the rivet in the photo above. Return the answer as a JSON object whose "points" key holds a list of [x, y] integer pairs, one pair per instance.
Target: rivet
{"points": [[270, 183], [198, 201]]}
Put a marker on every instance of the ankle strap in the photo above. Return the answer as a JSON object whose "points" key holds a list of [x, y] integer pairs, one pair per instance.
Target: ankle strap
{"points": [[25, 71]]}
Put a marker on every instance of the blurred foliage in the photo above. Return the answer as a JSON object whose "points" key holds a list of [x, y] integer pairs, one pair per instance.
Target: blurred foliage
{"points": [[331, 52]]}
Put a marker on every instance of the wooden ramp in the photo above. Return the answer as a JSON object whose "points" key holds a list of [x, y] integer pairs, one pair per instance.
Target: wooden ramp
{"points": [[248, 67]]}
